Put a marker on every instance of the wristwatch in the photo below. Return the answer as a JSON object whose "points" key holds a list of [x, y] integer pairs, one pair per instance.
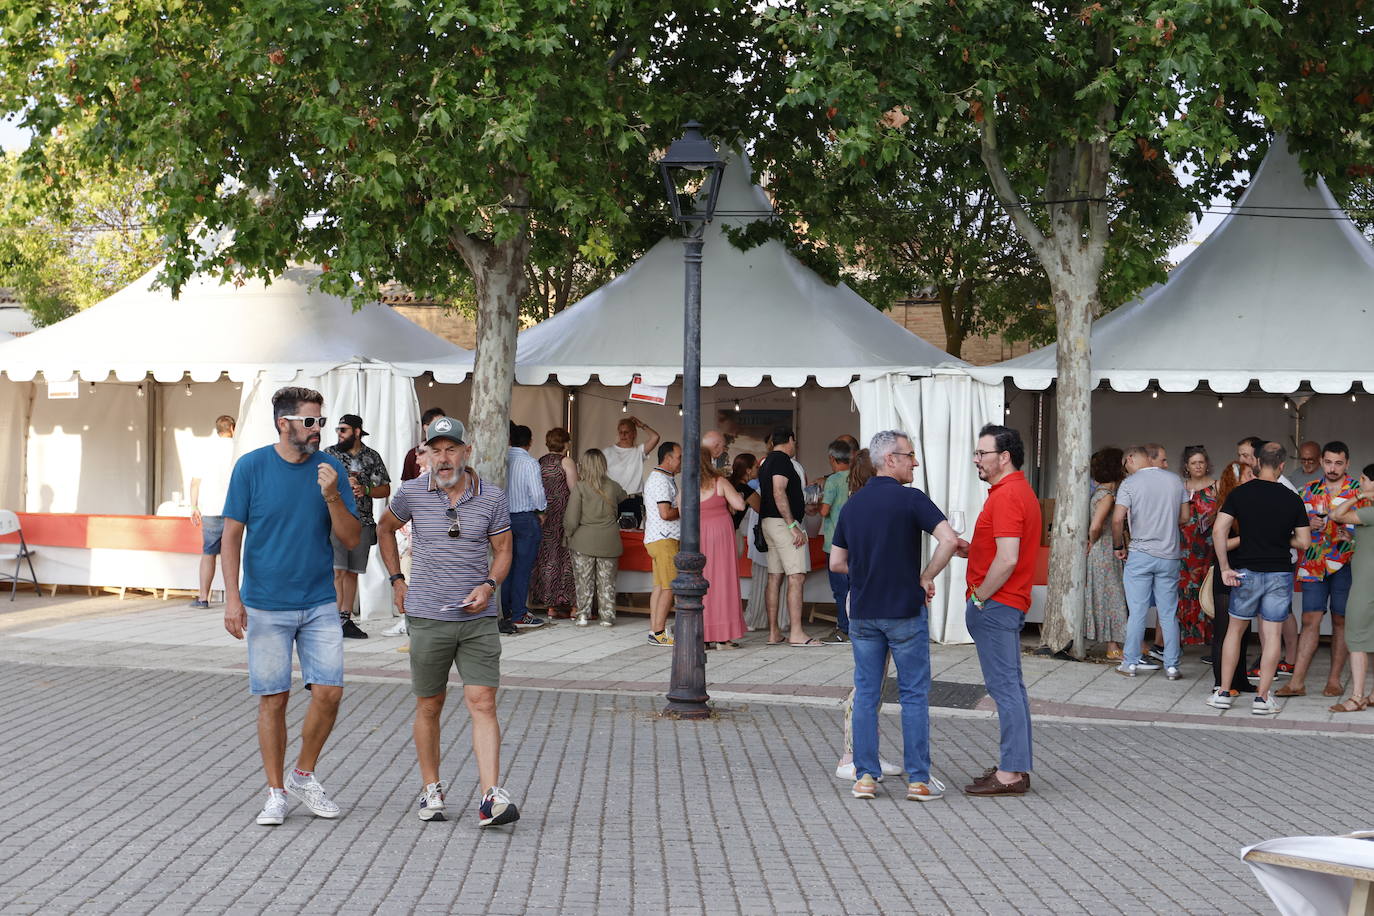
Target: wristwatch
{"points": [[490, 582], [396, 576]]}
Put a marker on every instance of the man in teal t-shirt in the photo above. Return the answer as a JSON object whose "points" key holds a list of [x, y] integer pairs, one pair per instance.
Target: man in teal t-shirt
{"points": [[833, 498], [283, 504]]}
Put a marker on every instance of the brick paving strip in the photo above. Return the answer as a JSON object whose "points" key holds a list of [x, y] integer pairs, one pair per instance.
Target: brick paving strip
{"points": [[134, 791]]}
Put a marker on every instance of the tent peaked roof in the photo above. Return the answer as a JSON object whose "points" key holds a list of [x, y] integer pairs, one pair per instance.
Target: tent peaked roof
{"points": [[763, 313], [214, 327], [1234, 310]]}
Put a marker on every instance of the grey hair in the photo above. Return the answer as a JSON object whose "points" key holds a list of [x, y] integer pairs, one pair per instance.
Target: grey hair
{"points": [[884, 443], [840, 451]]}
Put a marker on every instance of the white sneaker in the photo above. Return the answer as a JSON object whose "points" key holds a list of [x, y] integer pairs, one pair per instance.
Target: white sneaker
{"points": [[432, 802], [608, 623], [273, 814], [398, 630], [582, 622], [845, 771], [1221, 699], [310, 793], [1172, 673], [1264, 706]]}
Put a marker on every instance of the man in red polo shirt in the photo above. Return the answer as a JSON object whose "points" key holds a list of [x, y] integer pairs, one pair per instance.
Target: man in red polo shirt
{"points": [[1001, 566]]}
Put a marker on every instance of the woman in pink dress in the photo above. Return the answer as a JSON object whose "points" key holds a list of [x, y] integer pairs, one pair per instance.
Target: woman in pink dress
{"points": [[722, 615]]}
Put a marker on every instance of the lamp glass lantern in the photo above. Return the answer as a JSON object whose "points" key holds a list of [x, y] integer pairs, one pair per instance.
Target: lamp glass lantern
{"points": [[690, 154]]}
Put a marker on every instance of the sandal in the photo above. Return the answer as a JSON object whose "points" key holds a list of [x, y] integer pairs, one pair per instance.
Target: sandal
{"points": [[1329, 691], [1345, 705], [1287, 691], [809, 644], [728, 644]]}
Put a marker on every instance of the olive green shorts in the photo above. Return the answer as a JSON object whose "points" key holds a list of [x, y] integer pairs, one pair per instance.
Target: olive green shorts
{"points": [[437, 645]]}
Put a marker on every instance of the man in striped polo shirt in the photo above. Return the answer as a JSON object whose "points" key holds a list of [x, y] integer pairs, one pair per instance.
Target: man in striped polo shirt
{"points": [[454, 517]]}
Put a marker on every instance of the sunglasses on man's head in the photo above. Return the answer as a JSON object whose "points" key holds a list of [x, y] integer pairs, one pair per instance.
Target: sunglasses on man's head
{"points": [[453, 530], [309, 422]]}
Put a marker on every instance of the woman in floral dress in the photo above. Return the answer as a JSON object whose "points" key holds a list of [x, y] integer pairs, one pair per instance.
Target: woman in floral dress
{"points": [[551, 583], [1195, 538], [1106, 618]]}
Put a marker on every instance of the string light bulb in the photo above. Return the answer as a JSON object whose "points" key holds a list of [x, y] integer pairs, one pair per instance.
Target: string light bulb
{"points": [[679, 410], [794, 392], [92, 387], [188, 389], [431, 382], [1154, 393], [571, 397], [1287, 405], [140, 391], [624, 406], [1352, 397], [1220, 401], [736, 405], [1006, 411]]}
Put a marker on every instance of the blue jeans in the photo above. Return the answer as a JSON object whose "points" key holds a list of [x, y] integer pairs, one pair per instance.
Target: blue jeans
{"points": [[839, 588], [318, 639], [996, 632], [908, 639], [525, 537], [1332, 592], [1142, 576]]}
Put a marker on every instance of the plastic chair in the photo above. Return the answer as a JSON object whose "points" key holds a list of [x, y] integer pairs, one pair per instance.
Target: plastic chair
{"points": [[9, 524]]}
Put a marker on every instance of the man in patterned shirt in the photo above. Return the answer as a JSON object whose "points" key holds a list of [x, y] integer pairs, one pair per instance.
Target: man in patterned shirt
{"points": [[368, 479], [454, 517], [1324, 570]]}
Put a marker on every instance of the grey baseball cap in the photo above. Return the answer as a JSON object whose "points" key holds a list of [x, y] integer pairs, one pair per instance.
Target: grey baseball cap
{"points": [[445, 428]]}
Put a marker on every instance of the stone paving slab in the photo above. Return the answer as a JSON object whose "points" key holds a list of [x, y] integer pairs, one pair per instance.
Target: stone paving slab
{"points": [[133, 791]]}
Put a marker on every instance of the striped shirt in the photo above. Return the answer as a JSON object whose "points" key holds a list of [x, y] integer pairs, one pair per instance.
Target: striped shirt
{"points": [[443, 569], [524, 483]]}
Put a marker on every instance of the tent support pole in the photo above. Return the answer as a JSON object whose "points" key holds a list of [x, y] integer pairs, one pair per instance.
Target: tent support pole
{"points": [[153, 419], [687, 691]]}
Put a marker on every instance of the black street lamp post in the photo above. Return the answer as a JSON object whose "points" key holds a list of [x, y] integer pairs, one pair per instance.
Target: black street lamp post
{"points": [[693, 153]]}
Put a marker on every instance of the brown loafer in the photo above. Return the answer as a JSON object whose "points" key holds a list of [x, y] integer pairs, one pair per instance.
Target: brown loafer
{"points": [[993, 787], [990, 775]]}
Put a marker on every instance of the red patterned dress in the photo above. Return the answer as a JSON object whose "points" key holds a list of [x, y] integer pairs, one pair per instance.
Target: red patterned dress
{"points": [[1195, 627], [551, 584]]}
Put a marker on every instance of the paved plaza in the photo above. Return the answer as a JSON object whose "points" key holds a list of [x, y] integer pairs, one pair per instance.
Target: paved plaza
{"points": [[130, 780]]}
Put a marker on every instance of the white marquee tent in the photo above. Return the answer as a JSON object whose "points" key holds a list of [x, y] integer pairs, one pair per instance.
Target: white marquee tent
{"points": [[1278, 301], [127, 446]]}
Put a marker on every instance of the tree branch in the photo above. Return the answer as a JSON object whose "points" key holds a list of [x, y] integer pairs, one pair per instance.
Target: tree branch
{"points": [[1001, 182]]}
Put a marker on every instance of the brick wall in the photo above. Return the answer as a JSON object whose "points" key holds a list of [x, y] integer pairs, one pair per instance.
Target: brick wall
{"points": [[923, 319]]}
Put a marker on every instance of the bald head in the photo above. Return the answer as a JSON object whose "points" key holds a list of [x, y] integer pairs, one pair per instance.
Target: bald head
{"points": [[1309, 456], [713, 441]]}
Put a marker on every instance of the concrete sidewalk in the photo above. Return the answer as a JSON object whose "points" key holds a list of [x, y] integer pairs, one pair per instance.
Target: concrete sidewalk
{"points": [[134, 791], [150, 633]]}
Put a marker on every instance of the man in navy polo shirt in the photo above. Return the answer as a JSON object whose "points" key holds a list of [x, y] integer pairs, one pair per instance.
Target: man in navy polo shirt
{"points": [[878, 543]]}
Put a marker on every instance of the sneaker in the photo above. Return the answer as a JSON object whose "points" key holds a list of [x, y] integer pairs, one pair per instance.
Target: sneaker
{"points": [[866, 787], [432, 802], [528, 622], [352, 630], [925, 791], [1132, 670], [506, 628], [845, 771], [582, 622], [1285, 670], [399, 629], [661, 639], [308, 791], [1264, 706], [1157, 653], [837, 637], [496, 809], [199, 605], [1172, 673], [608, 623], [273, 814], [1222, 699], [1146, 665]]}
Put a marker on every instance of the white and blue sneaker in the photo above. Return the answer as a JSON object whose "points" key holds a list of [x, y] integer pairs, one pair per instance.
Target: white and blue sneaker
{"points": [[432, 802], [496, 809], [308, 791]]}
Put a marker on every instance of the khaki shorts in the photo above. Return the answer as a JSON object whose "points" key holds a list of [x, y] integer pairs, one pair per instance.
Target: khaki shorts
{"points": [[437, 645], [783, 555], [663, 552]]}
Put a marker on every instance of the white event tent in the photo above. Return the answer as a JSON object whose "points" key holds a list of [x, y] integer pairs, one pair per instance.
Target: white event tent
{"points": [[1276, 307], [154, 372], [771, 330]]}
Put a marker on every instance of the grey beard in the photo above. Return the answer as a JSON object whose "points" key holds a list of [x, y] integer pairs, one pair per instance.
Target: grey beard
{"points": [[307, 446]]}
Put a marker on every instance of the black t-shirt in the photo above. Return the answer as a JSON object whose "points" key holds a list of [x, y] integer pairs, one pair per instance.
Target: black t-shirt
{"points": [[778, 463], [1267, 513], [745, 491]]}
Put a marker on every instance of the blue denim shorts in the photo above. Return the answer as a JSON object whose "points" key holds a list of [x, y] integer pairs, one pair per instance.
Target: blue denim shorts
{"points": [[1333, 591], [319, 643], [1270, 594], [211, 531]]}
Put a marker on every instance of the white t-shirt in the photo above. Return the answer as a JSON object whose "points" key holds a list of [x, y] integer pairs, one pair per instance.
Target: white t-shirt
{"points": [[660, 487], [626, 467], [214, 477]]}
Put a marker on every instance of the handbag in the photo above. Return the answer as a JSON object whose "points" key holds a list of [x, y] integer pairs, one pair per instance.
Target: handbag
{"points": [[760, 543], [1204, 595]]}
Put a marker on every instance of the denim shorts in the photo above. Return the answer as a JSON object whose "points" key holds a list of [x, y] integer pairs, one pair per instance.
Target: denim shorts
{"points": [[319, 643], [1270, 594], [1333, 592], [355, 560], [211, 531]]}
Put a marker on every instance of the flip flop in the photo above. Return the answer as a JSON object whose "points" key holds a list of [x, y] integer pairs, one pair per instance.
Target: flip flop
{"points": [[809, 644]]}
